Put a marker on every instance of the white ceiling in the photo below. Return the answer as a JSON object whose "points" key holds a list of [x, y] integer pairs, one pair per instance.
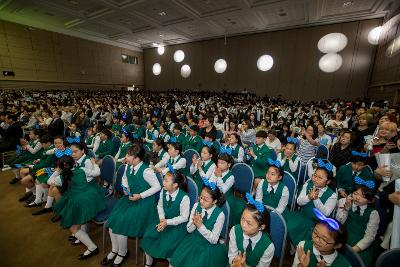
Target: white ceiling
{"points": [[137, 24]]}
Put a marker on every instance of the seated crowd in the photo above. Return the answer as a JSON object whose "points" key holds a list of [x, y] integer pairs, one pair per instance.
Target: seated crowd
{"points": [[343, 156]]}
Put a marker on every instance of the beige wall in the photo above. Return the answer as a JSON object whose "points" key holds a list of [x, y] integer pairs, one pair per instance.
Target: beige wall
{"points": [[47, 59], [295, 74], [385, 79]]}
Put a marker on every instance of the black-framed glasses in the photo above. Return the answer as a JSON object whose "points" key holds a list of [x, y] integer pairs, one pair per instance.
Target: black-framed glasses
{"points": [[320, 239]]}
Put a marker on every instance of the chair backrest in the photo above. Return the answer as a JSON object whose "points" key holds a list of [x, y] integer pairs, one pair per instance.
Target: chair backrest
{"points": [[160, 180], [388, 258], [192, 191], [188, 155], [322, 152], [225, 228], [278, 230], [352, 257], [118, 179], [244, 177], [107, 169], [290, 183], [305, 175], [117, 142]]}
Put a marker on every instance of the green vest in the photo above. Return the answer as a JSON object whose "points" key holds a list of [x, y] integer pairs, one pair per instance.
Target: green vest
{"points": [[307, 209], [162, 153], [172, 161], [116, 128], [82, 164], [235, 152], [136, 182], [180, 138], [89, 140], [205, 168], [163, 136], [45, 160], [340, 260], [259, 165], [172, 208], [252, 257], [345, 177], [356, 225], [124, 149], [269, 198], [208, 223], [286, 164], [150, 133], [193, 143], [228, 194]]}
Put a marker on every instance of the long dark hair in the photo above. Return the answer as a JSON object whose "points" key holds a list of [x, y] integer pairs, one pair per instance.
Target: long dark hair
{"points": [[180, 179], [66, 163], [216, 195]]}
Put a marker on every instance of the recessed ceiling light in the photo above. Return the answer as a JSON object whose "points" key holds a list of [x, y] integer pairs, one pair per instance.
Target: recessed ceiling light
{"points": [[162, 13]]}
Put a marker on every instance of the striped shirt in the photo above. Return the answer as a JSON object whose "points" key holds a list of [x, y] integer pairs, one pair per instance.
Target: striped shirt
{"points": [[306, 151]]}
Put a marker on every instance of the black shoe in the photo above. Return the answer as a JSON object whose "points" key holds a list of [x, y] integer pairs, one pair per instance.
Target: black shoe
{"points": [[76, 242], [32, 205], [123, 259], [71, 238], [26, 196], [107, 261], [42, 211], [55, 218], [30, 199], [15, 180], [92, 253]]}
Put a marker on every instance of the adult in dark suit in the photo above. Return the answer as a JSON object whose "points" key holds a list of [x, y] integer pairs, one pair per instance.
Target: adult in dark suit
{"points": [[56, 127]]}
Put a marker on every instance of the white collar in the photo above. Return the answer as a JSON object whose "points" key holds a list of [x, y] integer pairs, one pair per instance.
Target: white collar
{"points": [[160, 152], [176, 158], [209, 211], [270, 187], [137, 167], [206, 162], [233, 147], [173, 195], [254, 239], [81, 159], [362, 208], [329, 259], [224, 173]]}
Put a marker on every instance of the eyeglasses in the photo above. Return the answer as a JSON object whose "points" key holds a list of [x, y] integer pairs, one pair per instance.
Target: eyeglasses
{"points": [[320, 239]]}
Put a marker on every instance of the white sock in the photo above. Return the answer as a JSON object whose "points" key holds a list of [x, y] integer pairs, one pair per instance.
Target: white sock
{"points": [[16, 172], [84, 227], [114, 245], [149, 259], [122, 248], [39, 193], [45, 193], [49, 202], [85, 239]]}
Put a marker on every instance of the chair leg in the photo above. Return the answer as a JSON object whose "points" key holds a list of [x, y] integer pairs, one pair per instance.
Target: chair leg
{"points": [[137, 251], [104, 236]]}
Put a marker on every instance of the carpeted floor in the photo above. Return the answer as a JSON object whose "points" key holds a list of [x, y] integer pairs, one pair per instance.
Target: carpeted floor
{"points": [[27, 240], [35, 241]]}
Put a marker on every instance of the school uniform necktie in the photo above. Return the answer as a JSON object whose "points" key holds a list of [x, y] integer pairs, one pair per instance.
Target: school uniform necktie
{"points": [[358, 210], [169, 200], [205, 215], [249, 247]]}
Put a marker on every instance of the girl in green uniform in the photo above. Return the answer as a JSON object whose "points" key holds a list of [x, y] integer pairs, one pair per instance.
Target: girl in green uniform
{"points": [[79, 204], [235, 144], [201, 247], [163, 133], [204, 166], [123, 148], [249, 241], [314, 194], [324, 248], [177, 161], [134, 211], [360, 219], [272, 191], [161, 155], [288, 158], [224, 179], [165, 233]]}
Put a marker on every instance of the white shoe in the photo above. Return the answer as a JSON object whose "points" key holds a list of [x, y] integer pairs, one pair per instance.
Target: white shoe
{"points": [[6, 168]]}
